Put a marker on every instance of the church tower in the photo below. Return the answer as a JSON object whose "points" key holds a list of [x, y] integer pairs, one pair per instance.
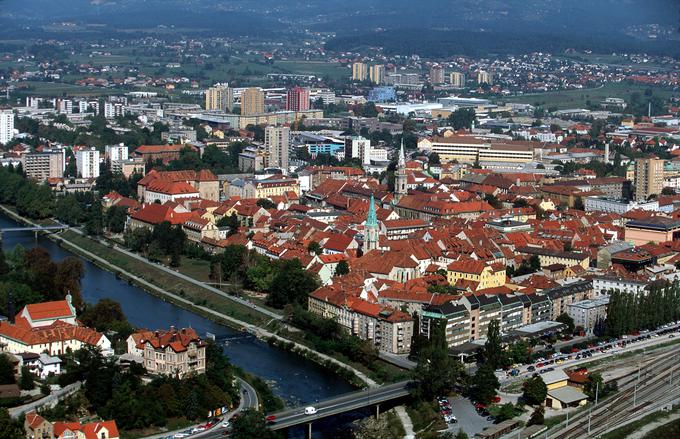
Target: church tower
{"points": [[371, 229], [400, 176]]}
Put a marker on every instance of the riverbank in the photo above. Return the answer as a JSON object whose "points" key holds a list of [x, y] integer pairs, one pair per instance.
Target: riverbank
{"points": [[205, 306]]}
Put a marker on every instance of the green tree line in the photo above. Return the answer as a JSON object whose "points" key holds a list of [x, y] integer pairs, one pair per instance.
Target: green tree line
{"points": [[629, 312]]}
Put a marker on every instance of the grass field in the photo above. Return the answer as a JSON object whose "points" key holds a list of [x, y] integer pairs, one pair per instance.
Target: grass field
{"points": [[318, 68], [62, 89], [668, 431], [578, 98], [627, 430]]}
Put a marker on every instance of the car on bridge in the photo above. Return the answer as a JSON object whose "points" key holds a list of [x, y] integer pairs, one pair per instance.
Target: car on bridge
{"points": [[310, 410]]}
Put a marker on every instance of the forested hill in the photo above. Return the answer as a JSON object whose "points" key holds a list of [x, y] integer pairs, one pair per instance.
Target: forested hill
{"points": [[439, 43]]}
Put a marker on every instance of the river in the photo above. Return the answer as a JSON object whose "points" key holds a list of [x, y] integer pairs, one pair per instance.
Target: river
{"points": [[296, 380]]}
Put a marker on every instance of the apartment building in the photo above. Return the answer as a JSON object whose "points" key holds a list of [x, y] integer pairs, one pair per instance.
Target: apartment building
{"points": [[297, 99], [174, 352], [252, 101], [453, 315], [465, 149], [457, 79], [219, 98], [40, 166], [6, 125], [377, 74], [87, 162], [359, 71], [277, 140], [588, 313], [648, 178], [114, 153]]}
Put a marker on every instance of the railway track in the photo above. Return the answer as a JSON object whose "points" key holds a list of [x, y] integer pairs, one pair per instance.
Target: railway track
{"points": [[652, 391]]}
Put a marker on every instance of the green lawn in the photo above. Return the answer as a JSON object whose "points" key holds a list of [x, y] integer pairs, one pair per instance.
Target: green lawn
{"points": [[668, 431], [318, 68], [627, 430], [61, 89], [578, 98]]}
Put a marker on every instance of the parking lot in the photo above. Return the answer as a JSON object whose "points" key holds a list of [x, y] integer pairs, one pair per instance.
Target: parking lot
{"points": [[468, 419]]}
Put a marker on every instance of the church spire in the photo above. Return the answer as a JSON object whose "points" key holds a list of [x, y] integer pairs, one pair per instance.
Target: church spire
{"points": [[372, 218], [371, 228], [402, 157]]}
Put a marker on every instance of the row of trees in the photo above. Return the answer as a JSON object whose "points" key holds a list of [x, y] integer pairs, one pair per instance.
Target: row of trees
{"points": [[632, 312], [30, 199], [117, 393], [30, 276], [164, 241], [285, 281]]}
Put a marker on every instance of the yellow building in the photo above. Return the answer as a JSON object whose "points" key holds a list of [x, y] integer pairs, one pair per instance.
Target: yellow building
{"points": [[219, 98], [648, 178], [560, 394], [359, 71], [252, 101], [377, 74], [486, 276]]}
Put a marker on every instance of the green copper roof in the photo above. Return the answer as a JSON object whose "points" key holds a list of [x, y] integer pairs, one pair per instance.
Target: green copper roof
{"points": [[372, 219]]}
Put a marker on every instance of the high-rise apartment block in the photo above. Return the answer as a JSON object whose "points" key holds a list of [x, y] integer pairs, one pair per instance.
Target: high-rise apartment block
{"points": [[359, 71], [219, 98], [436, 74], [252, 101], [40, 166], [114, 153], [484, 77], [6, 126], [457, 79], [297, 99], [87, 161], [276, 140], [377, 74], [648, 178]]}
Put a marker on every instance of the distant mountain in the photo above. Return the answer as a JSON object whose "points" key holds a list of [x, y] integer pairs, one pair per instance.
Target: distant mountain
{"points": [[558, 19]]}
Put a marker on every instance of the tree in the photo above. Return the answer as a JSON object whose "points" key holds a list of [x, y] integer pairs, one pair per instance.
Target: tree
{"points": [[230, 221], [266, 203], [434, 159], [116, 217], [26, 382], [436, 371], [342, 268], [493, 349], [507, 411], [484, 384], [67, 278], [535, 390], [462, 118], [9, 428], [567, 320], [251, 424], [6, 370], [314, 247], [537, 417], [291, 284], [594, 385], [667, 191]]}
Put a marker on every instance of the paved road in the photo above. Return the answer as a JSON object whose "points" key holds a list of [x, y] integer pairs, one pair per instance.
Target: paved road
{"points": [[345, 403], [248, 400], [615, 350], [55, 396], [398, 360]]}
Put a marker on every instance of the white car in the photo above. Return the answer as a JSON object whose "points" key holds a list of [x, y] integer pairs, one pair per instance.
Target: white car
{"points": [[225, 424], [197, 430], [310, 410]]}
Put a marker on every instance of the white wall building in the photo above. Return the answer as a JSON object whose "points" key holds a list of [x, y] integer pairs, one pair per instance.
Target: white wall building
{"points": [[586, 313], [87, 161], [115, 153], [6, 126], [277, 140], [603, 285], [602, 204]]}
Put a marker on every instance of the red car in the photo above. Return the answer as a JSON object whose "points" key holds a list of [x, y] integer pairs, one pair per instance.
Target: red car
{"points": [[270, 419], [496, 399]]}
